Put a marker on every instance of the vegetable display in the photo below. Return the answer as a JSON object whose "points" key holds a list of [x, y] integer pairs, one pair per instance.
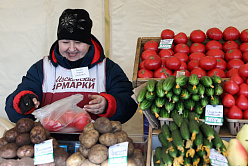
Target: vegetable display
{"points": [[180, 95], [189, 142]]}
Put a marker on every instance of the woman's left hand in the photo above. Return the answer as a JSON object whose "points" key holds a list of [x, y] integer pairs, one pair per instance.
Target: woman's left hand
{"points": [[96, 105]]}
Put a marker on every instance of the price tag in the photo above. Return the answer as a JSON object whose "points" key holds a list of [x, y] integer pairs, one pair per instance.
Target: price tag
{"points": [[43, 152], [118, 154], [217, 159], [180, 73], [165, 44], [214, 115], [82, 72]]}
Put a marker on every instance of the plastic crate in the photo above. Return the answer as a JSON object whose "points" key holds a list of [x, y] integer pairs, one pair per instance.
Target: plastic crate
{"points": [[234, 125], [168, 120]]}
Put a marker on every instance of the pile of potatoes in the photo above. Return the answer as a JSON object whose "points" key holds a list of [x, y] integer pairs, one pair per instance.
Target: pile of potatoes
{"points": [[95, 140], [17, 144]]}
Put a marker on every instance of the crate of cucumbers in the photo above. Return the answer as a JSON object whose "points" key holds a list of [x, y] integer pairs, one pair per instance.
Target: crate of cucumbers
{"points": [[182, 95]]}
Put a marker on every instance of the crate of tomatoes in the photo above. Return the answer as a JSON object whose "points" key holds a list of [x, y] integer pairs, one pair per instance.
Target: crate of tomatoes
{"points": [[214, 52]]}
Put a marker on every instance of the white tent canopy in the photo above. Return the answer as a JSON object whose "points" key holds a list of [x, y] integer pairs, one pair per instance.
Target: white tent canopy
{"points": [[28, 28]]}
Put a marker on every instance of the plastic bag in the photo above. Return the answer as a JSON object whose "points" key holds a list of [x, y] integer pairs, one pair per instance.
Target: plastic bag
{"points": [[63, 115]]}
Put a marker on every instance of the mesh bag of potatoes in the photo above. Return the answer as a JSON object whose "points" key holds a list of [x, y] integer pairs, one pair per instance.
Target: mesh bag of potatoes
{"points": [[17, 145], [95, 140]]}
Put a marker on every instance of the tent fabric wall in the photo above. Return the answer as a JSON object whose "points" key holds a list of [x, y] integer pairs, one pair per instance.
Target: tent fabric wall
{"points": [[28, 28]]}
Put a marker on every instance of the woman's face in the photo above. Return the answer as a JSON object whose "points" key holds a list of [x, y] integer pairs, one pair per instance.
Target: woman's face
{"points": [[73, 50]]}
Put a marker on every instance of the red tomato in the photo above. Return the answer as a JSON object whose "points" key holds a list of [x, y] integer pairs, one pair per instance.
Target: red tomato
{"points": [[233, 54], [145, 54], [228, 100], [197, 47], [245, 114], [234, 63], [243, 89], [181, 48], [144, 73], [221, 64], [82, 119], [243, 47], [187, 73], [238, 79], [213, 44], [163, 61], [243, 70], [235, 112], [229, 45], [68, 117], [165, 53], [218, 72], [196, 56], [215, 53], [242, 102], [182, 56], [180, 38], [232, 72], [199, 72], [183, 66], [197, 36], [193, 64], [225, 111], [52, 125], [153, 62], [162, 72], [167, 34], [231, 87], [141, 65], [244, 35], [152, 45], [173, 63], [214, 34], [231, 33], [245, 57], [207, 62]]}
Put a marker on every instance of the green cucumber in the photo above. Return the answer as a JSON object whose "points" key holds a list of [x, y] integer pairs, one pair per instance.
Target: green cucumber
{"points": [[180, 106], [177, 91], [159, 88], [150, 96], [215, 101], [177, 119], [207, 131], [209, 92], [175, 98], [181, 81], [167, 159], [189, 104], [151, 84], [185, 94], [204, 101], [168, 83], [169, 95], [193, 80], [155, 110], [173, 126], [218, 90], [164, 113], [198, 108], [191, 89], [201, 90], [185, 113], [160, 101], [162, 140], [216, 79], [169, 106], [195, 97], [206, 81], [145, 104], [142, 94]]}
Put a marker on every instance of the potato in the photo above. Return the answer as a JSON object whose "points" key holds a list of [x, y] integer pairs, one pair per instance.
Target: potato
{"points": [[24, 125], [130, 150], [121, 136], [103, 125], [47, 133], [83, 150], [25, 151], [98, 153], [88, 163], [60, 156], [105, 163], [55, 143], [108, 139], [88, 127], [37, 134], [90, 138], [9, 162], [23, 139], [76, 159], [80, 136], [37, 124], [130, 139], [8, 151], [3, 141], [139, 159], [116, 126], [26, 161], [131, 162], [11, 134]]}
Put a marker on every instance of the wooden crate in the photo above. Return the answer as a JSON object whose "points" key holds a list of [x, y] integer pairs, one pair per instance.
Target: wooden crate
{"points": [[140, 48]]}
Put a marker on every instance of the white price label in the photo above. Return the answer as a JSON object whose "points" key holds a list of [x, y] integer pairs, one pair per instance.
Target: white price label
{"points": [[43, 152], [82, 72], [217, 159], [165, 44], [214, 115], [118, 154]]}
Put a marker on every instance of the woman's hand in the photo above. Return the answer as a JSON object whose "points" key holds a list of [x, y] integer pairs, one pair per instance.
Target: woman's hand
{"points": [[96, 105]]}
